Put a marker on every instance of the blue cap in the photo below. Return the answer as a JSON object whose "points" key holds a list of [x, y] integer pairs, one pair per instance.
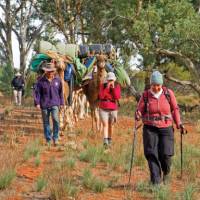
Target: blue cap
{"points": [[156, 78]]}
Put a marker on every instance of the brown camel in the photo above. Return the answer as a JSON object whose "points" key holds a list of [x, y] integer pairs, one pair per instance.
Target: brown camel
{"points": [[91, 90]]}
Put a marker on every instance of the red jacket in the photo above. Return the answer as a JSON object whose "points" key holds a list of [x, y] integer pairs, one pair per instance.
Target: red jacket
{"points": [[108, 97], [160, 110]]}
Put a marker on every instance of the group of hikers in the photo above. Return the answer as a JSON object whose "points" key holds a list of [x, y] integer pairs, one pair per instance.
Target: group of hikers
{"points": [[157, 108]]}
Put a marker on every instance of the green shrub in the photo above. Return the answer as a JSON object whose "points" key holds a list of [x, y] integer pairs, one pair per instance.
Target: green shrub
{"points": [[189, 192], [6, 178], [161, 193], [98, 185], [87, 178], [37, 160], [92, 154], [6, 77], [191, 161], [93, 183], [70, 163], [63, 188], [32, 149], [40, 184]]}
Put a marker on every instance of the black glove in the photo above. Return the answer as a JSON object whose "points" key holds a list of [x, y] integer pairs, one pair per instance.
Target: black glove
{"points": [[182, 129]]}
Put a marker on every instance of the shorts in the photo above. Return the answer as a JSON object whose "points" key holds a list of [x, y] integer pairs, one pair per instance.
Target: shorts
{"points": [[108, 115]]}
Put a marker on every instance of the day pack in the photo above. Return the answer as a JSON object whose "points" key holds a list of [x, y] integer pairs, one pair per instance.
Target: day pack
{"points": [[146, 98]]}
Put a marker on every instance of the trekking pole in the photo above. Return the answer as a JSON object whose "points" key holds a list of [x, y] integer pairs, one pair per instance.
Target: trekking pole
{"points": [[133, 149], [181, 144]]}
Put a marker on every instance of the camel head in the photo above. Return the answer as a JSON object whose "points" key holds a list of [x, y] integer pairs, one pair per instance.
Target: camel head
{"points": [[101, 61]]}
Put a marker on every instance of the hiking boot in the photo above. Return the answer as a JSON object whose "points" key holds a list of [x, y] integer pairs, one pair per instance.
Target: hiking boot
{"points": [[166, 178], [48, 144], [55, 143], [109, 141], [105, 143]]}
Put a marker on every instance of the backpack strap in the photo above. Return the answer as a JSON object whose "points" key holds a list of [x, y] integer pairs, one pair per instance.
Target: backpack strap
{"points": [[145, 99], [168, 97]]}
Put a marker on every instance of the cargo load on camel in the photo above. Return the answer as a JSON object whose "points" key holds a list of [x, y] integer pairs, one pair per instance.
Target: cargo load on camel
{"points": [[77, 66]]}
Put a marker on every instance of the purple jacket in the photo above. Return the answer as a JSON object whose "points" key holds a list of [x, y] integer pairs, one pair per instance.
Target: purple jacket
{"points": [[48, 94]]}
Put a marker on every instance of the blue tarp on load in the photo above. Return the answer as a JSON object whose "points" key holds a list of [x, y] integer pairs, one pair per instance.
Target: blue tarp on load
{"points": [[68, 72]]}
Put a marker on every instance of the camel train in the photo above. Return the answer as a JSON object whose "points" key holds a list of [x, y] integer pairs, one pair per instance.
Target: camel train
{"points": [[81, 76]]}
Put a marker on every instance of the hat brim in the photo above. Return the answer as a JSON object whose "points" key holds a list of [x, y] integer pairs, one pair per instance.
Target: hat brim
{"points": [[111, 79], [49, 69], [18, 74]]}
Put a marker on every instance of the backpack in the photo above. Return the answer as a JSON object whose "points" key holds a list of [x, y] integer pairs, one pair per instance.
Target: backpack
{"points": [[145, 98]]}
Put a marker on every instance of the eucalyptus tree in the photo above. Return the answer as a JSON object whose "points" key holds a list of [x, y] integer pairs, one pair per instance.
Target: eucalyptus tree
{"points": [[64, 15], [177, 25], [20, 18]]}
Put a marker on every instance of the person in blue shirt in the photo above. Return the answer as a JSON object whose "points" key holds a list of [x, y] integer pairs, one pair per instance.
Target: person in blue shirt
{"points": [[48, 98]]}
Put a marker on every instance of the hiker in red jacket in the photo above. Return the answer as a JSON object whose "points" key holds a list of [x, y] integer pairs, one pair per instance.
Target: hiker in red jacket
{"points": [[109, 94], [158, 109]]}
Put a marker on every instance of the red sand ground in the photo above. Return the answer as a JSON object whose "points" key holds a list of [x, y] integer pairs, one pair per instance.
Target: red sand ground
{"points": [[27, 172]]}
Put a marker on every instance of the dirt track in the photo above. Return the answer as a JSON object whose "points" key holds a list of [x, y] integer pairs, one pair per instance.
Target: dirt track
{"points": [[24, 125]]}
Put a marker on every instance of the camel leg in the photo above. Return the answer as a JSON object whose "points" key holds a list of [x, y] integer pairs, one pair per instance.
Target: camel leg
{"points": [[92, 115], [97, 121]]}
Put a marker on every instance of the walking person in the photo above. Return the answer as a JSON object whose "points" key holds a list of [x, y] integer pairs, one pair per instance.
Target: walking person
{"points": [[18, 86], [48, 97], [158, 109], [109, 95]]}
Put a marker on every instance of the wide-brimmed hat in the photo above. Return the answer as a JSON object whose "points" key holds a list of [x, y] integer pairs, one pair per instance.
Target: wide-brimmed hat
{"points": [[111, 76], [49, 67], [17, 74]]}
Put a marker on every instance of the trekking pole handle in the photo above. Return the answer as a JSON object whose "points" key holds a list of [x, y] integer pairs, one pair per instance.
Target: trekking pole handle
{"points": [[183, 130]]}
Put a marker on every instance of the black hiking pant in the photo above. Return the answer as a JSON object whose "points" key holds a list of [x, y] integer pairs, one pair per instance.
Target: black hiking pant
{"points": [[158, 150]]}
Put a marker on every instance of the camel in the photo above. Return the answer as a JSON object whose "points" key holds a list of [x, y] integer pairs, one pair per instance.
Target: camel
{"points": [[91, 90]]}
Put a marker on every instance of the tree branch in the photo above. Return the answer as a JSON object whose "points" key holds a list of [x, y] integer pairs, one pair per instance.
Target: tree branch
{"points": [[3, 8], [35, 34], [2, 25], [138, 8], [188, 62], [193, 85]]}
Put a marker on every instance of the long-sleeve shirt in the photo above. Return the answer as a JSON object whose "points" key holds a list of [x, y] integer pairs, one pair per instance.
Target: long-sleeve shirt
{"points": [[48, 94], [108, 97], [159, 108], [18, 83]]}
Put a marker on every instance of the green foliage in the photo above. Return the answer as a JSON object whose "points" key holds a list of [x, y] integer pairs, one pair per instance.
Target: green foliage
{"points": [[91, 182], [63, 188], [159, 192], [70, 162], [32, 149], [6, 178], [92, 154], [189, 192], [41, 183], [6, 77], [191, 161], [30, 80], [37, 160]]}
